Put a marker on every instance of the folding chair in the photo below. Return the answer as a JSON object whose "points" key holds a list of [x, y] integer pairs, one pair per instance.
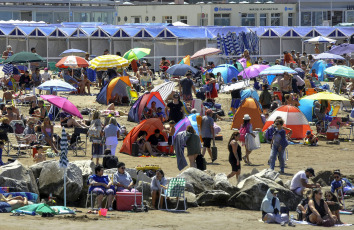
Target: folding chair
{"points": [[175, 189], [132, 95], [335, 111], [18, 145], [79, 144]]}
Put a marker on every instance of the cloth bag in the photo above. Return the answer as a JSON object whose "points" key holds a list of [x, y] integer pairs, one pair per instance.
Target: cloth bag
{"points": [[214, 151], [201, 162], [252, 143]]}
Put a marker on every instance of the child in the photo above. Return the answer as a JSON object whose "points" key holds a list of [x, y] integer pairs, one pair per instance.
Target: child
{"points": [[170, 132], [160, 114], [1, 147], [39, 157], [310, 139]]}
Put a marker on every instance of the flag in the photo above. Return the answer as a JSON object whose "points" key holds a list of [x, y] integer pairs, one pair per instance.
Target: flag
{"points": [[186, 60]]}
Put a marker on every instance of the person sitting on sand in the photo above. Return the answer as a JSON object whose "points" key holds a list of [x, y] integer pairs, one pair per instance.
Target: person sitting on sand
{"points": [[340, 184], [157, 182], [333, 204], [67, 120], [85, 83], [123, 180], [270, 208], [39, 157], [9, 204], [300, 181], [101, 185], [310, 139], [10, 114], [303, 206], [144, 146]]}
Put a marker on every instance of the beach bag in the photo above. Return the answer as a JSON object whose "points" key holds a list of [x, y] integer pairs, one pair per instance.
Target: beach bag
{"points": [[201, 162], [94, 133], [243, 132], [214, 152], [251, 143], [135, 149]]}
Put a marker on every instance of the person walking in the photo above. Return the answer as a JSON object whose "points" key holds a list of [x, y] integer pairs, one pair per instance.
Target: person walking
{"points": [[246, 127], [235, 155], [193, 146], [111, 133], [207, 131], [278, 145]]}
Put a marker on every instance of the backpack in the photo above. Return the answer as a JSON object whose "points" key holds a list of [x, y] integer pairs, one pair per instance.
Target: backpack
{"points": [[201, 162], [94, 134], [243, 132]]}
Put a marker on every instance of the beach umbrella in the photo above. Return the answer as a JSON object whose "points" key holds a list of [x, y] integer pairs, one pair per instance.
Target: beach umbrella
{"points": [[205, 52], [218, 41], [253, 71], [340, 70], [188, 120], [186, 60], [56, 86], [293, 118], [136, 53], [165, 89], [8, 69], [24, 57], [319, 39], [35, 208], [243, 62], [64, 104], [105, 62], [236, 44], [342, 49], [329, 56], [277, 69], [180, 69], [326, 96], [73, 52], [227, 72], [72, 62], [64, 161]]}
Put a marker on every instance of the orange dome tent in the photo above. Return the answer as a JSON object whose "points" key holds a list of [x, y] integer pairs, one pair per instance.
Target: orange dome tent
{"points": [[117, 85], [248, 106], [149, 126]]}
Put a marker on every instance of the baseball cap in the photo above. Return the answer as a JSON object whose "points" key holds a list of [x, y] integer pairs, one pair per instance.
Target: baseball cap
{"points": [[308, 132], [273, 190], [45, 68], [310, 170]]}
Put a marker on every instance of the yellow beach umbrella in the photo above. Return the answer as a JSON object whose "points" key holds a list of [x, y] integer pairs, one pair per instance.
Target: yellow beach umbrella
{"points": [[105, 62], [326, 96]]}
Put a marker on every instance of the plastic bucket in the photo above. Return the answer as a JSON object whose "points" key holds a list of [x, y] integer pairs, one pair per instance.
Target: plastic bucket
{"points": [[103, 212]]}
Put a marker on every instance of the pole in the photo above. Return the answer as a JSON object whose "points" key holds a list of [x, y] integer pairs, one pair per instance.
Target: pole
{"points": [[331, 13], [299, 12], [47, 50], [177, 46], [69, 11], [65, 187]]}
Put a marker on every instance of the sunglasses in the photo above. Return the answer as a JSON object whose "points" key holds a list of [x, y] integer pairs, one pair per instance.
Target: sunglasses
{"points": [[336, 177], [122, 167], [320, 193]]}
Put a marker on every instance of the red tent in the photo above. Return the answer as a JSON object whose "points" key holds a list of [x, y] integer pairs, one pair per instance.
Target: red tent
{"points": [[149, 126], [145, 100], [293, 119]]}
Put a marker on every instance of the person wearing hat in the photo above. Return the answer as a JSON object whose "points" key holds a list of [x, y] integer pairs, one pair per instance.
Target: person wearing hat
{"points": [[310, 139], [270, 208], [186, 86], [8, 52], [246, 127], [300, 181], [207, 132], [278, 145]]}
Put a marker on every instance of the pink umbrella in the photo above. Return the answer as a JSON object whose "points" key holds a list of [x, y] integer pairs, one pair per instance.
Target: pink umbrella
{"points": [[63, 104], [205, 52], [252, 71], [243, 62]]}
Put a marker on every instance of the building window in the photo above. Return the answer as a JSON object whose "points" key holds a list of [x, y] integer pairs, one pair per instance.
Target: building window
{"points": [[146, 19], [290, 19], [262, 19], [166, 19], [275, 19], [305, 18], [350, 16], [248, 19], [182, 19], [136, 19], [81, 17], [203, 19], [6, 15], [153, 18], [61, 17], [221, 19], [317, 18], [44, 16], [118, 19], [125, 18]]}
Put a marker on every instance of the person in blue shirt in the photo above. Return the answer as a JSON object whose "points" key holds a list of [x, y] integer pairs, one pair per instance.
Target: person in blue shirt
{"points": [[278, 145], [341, 183], [1, 147]]}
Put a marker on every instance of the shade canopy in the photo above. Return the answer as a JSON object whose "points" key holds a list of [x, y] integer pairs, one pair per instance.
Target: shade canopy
{"points": [[24, 57], [56, 86], [136, 53], [326, 96], [206, 52], [340, 70], [72, 62], [181, 69], [105, 62], [253, 71], [329, 56], [320, 39], [277, 69]]}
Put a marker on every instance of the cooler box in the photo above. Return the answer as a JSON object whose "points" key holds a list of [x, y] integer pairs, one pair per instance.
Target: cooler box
{"points": [[261, 137], [125, 200], [332, 134], [163, 147]]}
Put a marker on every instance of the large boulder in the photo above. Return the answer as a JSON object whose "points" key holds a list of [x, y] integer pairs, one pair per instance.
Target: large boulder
{"points": [[253, 189], [245, 175], [323, 177], [37, 168], [22, 178], [200, 180], [87, 168], [191, 201], [51, 180], [222, 183], [213, 198], [268, 174]]}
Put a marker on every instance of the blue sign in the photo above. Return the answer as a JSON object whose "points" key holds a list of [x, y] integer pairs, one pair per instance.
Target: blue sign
{"points": [[286, 8], [216, 9]]}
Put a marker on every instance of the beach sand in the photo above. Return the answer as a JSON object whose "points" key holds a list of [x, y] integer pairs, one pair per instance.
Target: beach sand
{"points": [[322, 157]]}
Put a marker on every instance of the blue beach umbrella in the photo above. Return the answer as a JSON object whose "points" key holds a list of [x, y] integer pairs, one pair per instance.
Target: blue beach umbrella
{"points": [[227, 72], [277, 69]]}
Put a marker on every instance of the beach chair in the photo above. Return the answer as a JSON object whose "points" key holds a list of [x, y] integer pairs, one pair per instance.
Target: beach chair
{"points": [[335, 111], [78, 143], [174, 189], [132, 95], [18, 145]]}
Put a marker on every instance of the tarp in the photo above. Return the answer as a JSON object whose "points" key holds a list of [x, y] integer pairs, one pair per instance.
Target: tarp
{"points": [[117, 85], [149, 126], [248, 106], [306, 107]]}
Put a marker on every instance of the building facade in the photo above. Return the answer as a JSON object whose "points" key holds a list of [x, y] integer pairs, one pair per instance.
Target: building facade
{"points": [[58, 11], [210, 14]]}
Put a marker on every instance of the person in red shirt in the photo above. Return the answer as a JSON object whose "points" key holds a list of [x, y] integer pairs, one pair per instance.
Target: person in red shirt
{"points": [[287, 58], [313, 74], [210, 79]]}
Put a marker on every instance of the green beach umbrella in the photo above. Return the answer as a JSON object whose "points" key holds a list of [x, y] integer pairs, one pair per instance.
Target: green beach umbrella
{"points": [[136, 53], [24, 57], [340, 70]]}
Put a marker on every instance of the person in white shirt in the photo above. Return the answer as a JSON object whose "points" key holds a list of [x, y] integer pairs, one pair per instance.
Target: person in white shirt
{"points": [[300, 181], [46, 76], [304, 58]]}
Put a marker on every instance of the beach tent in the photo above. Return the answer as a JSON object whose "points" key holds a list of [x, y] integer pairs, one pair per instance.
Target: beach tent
{"points": [[320, 67], [188, 120], [117, 85], [293, 119], [149, 126], [246, 93], [248, 106], [306, 107], [145, 100]]}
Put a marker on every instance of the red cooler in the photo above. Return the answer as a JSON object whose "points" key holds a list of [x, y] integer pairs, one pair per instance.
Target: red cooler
{"points": [[163, 147], [332, 134], [125, 200]]}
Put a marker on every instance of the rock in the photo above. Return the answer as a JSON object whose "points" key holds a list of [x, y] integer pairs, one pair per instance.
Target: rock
{"points": [[321, 182], [19, 175], [191, 199], [132, 172], [222, 183], [253, 189], [37, 168], [147, 189], [51, 180], [143, 177], [109, 171], [87, 168], [189, 188], [254, 171], [326, 176], [287, 184], [213, 198], [268, 174], [279, 181], [16, 185], [200, 180]]}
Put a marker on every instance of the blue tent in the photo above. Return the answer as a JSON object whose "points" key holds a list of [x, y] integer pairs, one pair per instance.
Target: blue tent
{"points": [[320, 67], [227, 72], [306, 107]]}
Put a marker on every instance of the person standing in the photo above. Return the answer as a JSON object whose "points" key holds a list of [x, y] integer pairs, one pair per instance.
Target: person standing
{"points": [[36, 77], [207, 131], [95, 134], [175, 109], [285, 85], [7, 53], [278, 145], [34, 65], [265, 98], [193, 146], [304, 59], [246, 128], [235, 97], [111, 132], [300, 181], [186, 86], [235, 155], [46, 76]]}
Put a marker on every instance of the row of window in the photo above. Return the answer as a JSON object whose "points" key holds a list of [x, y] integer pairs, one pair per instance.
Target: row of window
{"points": [[165, 19], [319, 18], [250, 19]]}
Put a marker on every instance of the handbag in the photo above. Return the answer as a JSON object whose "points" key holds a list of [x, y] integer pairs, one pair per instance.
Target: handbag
{"points": [[201, 162], [135, 149], [214, 151]]}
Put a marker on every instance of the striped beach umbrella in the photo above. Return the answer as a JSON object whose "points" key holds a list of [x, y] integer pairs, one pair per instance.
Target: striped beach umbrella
{"points": [[293, 119], [340, 70], [63, 162], [105, 62], [231, 44], [236, 45], [218, 41], [72, 62], [165, 89], [8, 69]]}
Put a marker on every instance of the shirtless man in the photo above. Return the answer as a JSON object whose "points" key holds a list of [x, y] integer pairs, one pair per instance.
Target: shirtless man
{"points": [[14, 202], [285, 85], [7, 53], [7, 96], [10, 114], [85, 82]]}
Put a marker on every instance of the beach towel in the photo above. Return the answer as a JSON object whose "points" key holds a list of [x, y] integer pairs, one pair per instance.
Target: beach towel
{"points": [[179, 144], [308, 223], [33, 197]]}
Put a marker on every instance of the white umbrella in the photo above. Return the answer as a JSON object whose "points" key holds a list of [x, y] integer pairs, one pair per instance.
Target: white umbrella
{"points": [[165, 89], [320, 39]]}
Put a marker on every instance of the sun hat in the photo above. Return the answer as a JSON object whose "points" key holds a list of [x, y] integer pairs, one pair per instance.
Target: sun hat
{"points": [[273, 190], [246, 117], [45, 68]]}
